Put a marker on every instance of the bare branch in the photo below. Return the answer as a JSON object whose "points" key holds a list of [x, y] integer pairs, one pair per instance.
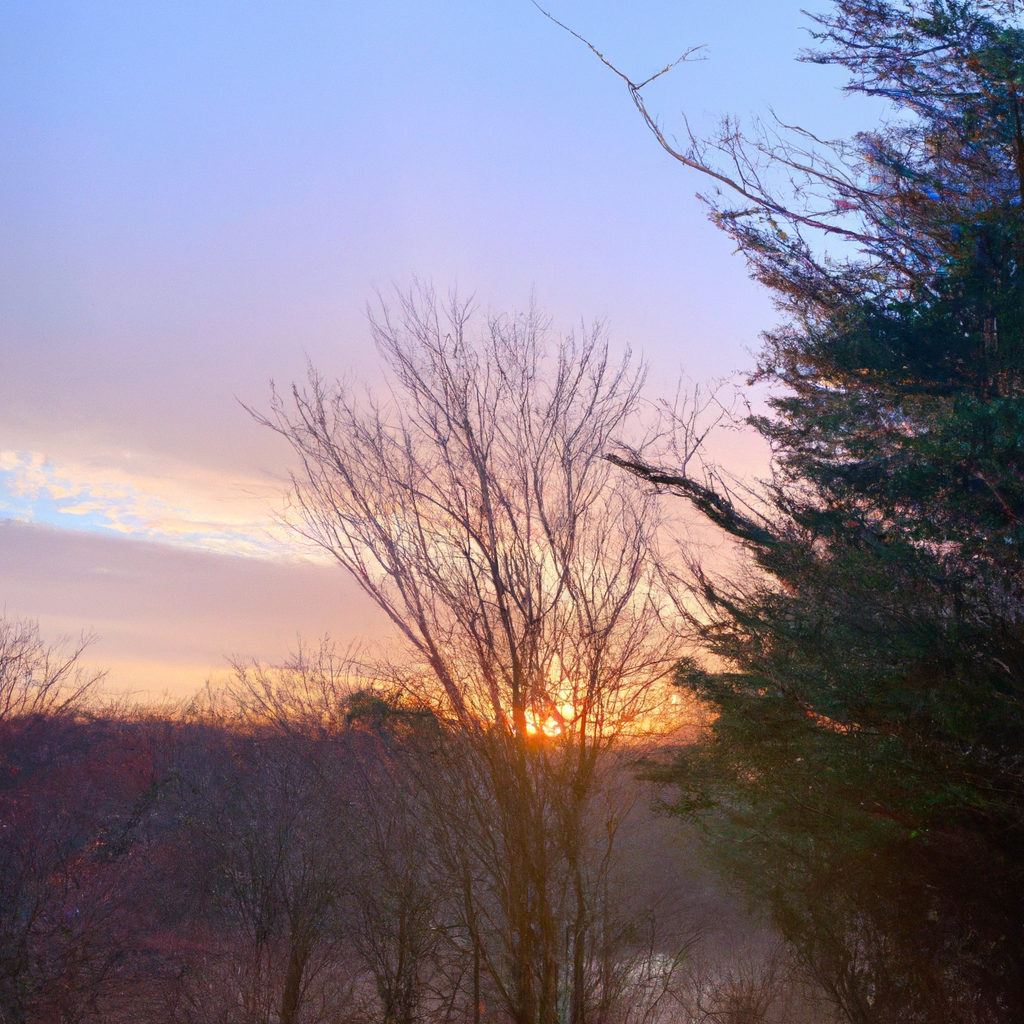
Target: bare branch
{"points": [[37, 678]]}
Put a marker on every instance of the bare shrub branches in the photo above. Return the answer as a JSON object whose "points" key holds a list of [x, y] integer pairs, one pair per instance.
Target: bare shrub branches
{"points": [[37, 678]]}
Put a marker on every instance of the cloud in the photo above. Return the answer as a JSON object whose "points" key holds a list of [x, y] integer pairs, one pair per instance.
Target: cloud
{"points": [[155, 499], [166, 616]]}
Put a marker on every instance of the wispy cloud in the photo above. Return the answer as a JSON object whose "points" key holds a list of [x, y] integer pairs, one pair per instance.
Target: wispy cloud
{"points": [[151, 498]]}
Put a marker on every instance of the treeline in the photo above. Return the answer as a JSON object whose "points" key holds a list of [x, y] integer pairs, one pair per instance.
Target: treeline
{"points": [[296, 852]]}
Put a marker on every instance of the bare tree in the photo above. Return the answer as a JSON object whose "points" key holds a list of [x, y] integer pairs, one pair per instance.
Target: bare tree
{"points": [[474, 504], [367, 745], [309, 695], [37, 678], [395, 926], [269, 812]]}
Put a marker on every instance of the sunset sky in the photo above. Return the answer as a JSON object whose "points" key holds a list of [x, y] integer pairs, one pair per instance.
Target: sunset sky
{"points": [[197, 196]]}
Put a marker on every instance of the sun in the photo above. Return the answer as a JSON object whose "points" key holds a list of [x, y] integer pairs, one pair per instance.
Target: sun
{"points": [[552, 725]]}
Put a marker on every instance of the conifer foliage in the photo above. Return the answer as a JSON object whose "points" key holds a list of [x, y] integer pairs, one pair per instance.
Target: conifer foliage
{"points": [[864, 775]]}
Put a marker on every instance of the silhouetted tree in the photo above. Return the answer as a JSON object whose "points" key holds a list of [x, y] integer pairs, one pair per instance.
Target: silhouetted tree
{"points": [[476, 509], [864, 765]]}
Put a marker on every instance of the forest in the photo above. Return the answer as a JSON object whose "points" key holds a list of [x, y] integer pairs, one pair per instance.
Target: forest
{"points": [[299, 851], [608, 772]]}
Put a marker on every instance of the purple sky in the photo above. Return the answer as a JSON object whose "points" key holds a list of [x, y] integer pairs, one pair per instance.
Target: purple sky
{"points": [[198, 195]]}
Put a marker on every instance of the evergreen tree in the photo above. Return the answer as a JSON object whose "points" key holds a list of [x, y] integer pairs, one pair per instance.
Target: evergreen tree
{"points": [[864, 773]]}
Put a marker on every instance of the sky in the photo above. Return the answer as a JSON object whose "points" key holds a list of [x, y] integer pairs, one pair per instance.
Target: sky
{"points": [[199, 197]]}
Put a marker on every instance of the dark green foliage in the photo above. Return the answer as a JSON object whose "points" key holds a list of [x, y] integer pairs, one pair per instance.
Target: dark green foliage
{"points": [[864, 776]]}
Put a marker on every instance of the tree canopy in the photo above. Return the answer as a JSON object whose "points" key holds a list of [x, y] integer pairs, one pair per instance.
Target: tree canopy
{"points": [[864, 773]]}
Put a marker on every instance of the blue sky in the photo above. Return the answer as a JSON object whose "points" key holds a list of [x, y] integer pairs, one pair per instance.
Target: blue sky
{"points": [[198, 196]]}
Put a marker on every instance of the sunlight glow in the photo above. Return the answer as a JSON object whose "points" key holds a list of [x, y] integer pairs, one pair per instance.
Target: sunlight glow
{"points": [[550, 726]]}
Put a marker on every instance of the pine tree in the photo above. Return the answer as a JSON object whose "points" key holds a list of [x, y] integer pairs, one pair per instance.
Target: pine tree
{"points": [[864, 774]]}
